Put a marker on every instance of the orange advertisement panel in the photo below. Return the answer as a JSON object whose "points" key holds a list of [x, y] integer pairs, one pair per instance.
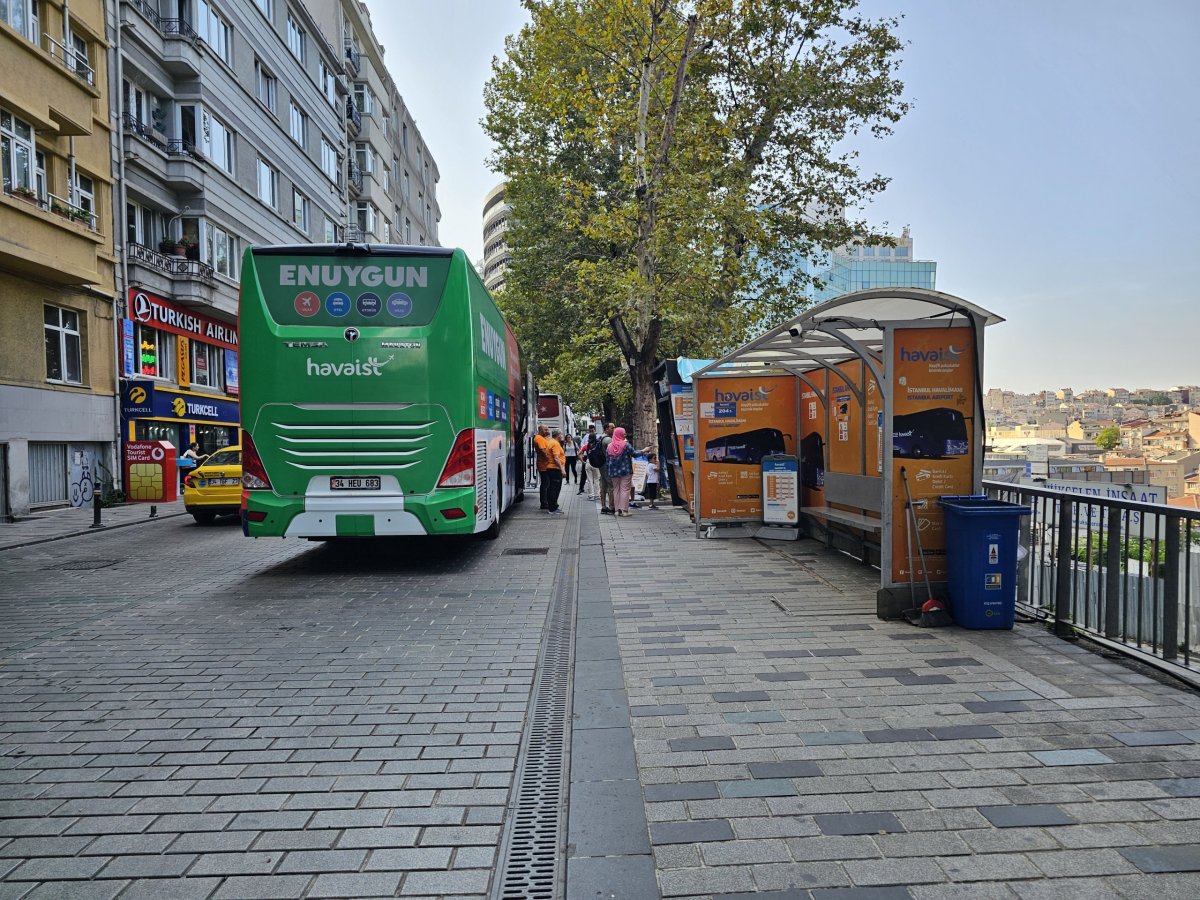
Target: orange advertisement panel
{"points": [[739, 421], [812, 441], [874, 425], [845, 419], [933, 447]]}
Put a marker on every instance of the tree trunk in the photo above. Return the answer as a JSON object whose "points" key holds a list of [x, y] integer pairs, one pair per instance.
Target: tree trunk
{"points": [[644, 431]]}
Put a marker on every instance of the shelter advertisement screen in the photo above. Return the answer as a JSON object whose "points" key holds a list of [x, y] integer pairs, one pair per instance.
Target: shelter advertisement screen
{"points": [[739, 421], [812, 440], [933, 420]]}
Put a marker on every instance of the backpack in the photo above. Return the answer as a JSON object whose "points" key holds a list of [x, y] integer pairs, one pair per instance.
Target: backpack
{"points": [[597, 456]]}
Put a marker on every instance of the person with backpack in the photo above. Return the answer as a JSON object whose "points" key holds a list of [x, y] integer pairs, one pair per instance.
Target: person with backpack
{"points": [[598, 458]]}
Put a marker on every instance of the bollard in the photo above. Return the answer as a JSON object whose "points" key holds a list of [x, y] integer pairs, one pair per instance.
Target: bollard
{"points": [[153, 511], [96, 506]]}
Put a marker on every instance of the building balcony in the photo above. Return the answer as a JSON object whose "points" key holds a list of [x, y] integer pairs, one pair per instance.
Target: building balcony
{"points": [[51, 89], [49, 239], [354, 177], [353, 116], [171, 40], [187, 280], [353, 61], [173, 161]]}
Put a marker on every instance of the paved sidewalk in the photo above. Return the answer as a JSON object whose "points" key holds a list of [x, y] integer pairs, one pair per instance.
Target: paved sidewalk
{"points": [[55, 524], [789, 742]]}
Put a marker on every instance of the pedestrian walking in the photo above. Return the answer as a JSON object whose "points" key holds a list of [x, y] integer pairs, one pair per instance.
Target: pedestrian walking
{"points": [[599, 459], [620, 471], [591, 475], [570, 451], [554, 474], [650, 490]]}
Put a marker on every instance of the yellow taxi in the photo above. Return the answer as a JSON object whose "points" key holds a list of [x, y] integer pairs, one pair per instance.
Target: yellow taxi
{"points": [[214, 488]]}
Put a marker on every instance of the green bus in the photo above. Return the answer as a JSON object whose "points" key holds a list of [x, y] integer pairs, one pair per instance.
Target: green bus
{"points": [[382, 394]]}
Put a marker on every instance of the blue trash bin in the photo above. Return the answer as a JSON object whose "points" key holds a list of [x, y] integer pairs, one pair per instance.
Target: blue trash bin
{"points": [[981, 559]]}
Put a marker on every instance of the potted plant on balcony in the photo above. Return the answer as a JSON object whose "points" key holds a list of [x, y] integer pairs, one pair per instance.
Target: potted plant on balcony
{"points": [[185, 247], [82, 216], [25, 193], [166, 245]]}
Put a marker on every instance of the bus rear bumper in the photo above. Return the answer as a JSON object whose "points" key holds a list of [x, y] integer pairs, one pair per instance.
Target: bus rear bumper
{"points": [[363, 516]]}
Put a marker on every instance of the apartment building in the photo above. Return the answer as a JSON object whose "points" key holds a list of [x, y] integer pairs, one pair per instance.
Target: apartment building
{"points": [[496, 254], [57, 372], [231, 133], [392, 176]]}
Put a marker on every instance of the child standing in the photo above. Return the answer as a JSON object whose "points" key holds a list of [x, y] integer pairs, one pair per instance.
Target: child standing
{"points": [[650, 490]]}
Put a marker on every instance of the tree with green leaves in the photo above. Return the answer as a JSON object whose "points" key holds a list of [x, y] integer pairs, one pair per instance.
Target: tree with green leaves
{"points": [[1109, 437], [670, 163]]}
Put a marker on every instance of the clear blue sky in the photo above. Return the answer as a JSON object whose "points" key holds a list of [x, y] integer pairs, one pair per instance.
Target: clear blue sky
{"points": [[1049, 166]]}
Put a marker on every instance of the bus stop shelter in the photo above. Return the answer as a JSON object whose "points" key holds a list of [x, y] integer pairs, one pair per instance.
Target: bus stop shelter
{"points": [[878, 394]]}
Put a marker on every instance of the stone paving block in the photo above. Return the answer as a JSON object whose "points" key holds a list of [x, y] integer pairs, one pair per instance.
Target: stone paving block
{"points": [[767, 787], [684, 882], [662, 709], [964, 732], [65, 890], [858, 823], [253, 863], [785, 876], [1178, 858], [765, 717], [825, 738], [1026, 816], [996, 706], [700, 744], [989, 867], [263, 887], [362, 884], [897, 735], [1180, 787], [692, 832], [740, 696], [695, 790], [906, 871], [465, 881], [1070, 757], [788, 768], [148, 866], [409, 859], [58, 869], [298, 840], [833, 847], [1081, 863], [1151, 738], [615, 876], [162, 889]]}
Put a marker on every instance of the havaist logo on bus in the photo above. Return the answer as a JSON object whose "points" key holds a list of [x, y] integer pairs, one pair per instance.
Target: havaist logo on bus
{"points": [[369, 367]]}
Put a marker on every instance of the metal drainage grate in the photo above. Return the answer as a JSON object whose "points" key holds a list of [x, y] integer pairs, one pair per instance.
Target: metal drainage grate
{"points": [[526, 551], [530, 865], [80, 565]]}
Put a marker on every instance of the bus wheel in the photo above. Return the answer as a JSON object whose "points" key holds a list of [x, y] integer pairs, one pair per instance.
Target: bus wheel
{"points": [[493, 530]]}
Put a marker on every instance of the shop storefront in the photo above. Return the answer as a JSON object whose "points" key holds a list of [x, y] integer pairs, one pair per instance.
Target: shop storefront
{"points": [[180, 375]]}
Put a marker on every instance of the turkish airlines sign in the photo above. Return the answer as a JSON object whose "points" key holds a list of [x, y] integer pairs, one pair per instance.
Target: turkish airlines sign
{"points": [[156, 312]]}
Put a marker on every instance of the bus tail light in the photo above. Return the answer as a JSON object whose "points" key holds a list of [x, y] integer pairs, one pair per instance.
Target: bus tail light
{"points": [[454, 513], [459, 470], [254, 476]]}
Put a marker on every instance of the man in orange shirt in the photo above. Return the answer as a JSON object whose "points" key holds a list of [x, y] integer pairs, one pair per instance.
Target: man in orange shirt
{"points": [[551, 463]]}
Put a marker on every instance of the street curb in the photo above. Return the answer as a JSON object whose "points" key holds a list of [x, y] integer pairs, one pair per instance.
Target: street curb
{"points": [[91, 530]]}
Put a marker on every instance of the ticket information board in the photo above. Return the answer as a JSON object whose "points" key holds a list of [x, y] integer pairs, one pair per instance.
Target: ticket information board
{"points": [[739, 421], [781, 490], [933, 420]]}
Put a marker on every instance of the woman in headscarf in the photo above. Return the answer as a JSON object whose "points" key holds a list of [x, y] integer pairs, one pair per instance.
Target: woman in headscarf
{"points": [[620, 470]]}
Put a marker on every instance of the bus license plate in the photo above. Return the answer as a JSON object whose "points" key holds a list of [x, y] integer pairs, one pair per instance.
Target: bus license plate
{"points": [[366, 483]]}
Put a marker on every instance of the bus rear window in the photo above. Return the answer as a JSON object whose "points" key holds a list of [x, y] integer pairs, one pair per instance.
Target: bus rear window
{"points": [[378, 291], [548, 407]]}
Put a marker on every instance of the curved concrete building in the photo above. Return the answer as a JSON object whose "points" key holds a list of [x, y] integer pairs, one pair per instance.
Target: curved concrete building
{"points": [[496, 255]]}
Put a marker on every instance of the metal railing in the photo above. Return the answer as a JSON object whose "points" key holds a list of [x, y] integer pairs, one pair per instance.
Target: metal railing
{"points": [[178, 28], [353, 59], [354, 175], [1122, 572], [71, 60], [353, 116], [72, 211], [171, 146], [173, 266], [148, 10]]}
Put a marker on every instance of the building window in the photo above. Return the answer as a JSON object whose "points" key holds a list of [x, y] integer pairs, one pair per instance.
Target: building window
{"points": [[156, 352], [404, 184], [328, 84], [208, 364], [364, 157], [265, 85], [85, 196], [363, 98], [299, 210], [64, 360], [217, 141], [22, 16], [266, 7], [364, 218], [407, 232], [296, 39], [386, 180], [404, 135], [16, 148], [329, 161], [268, 183], [299, 127], [214, 30], [221, 250], [330, 234]]}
